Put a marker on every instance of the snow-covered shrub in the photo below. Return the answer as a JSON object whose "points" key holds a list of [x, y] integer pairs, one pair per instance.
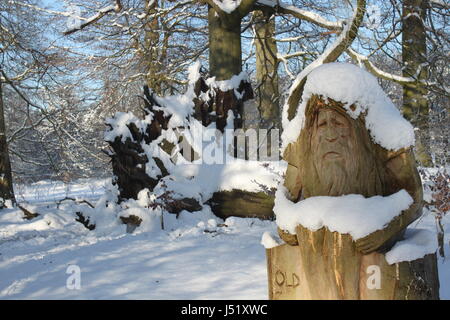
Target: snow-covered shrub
{"points": [[436, 184]]}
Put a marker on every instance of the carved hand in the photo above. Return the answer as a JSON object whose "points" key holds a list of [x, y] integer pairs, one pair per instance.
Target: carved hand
{"points": [[372, 242], [290, 239], [375, 240]]}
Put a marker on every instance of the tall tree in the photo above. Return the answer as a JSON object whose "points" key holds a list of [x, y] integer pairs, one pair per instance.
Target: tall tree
{"points": [[414, 56], [225, 51], [152, 56], [267, 90], [6, 184]]}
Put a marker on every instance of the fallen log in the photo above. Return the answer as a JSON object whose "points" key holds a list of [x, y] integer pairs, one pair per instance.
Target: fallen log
{"points": [[243, 204]]}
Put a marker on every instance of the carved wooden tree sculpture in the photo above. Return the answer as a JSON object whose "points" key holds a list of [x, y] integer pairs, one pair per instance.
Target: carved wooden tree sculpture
{"points": [[334, 156]]}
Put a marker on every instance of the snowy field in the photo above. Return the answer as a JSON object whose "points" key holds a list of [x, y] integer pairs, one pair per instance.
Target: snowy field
{"points": [[197, 256]]}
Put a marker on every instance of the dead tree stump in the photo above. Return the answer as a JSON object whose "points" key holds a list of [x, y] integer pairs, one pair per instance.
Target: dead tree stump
{"points": [[128, 158], [295, 275], [211, 105], [337, 154]]}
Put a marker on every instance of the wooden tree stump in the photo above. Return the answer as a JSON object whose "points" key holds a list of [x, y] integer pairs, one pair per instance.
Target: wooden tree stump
{"points": [[211, 105], [302, 273], [128, 158], [338, 153]]}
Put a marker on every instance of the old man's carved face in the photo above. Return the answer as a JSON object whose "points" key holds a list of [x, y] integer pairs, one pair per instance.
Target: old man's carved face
{"points": [[333, 146], [332, 136], [333, 154]]}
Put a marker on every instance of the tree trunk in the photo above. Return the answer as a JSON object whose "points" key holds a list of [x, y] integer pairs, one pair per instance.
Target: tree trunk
{"points": [[152, 55], [128, 158], [225, 50], [243, 204], [414, 55], [267, 93], [266, 71], [302, 273], [225, 61], [6, 185]]}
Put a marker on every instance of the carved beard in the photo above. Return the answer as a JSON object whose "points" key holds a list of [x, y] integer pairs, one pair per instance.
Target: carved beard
{"points": [[358, 170], [335, 178]]}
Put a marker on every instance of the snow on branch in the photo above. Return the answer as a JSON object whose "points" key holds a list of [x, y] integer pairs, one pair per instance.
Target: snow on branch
{"points": [[439, 4], [331, 54], [37, 8], [309, 16], [229, 6], [361, 59], [284, 60], [100, 14]]}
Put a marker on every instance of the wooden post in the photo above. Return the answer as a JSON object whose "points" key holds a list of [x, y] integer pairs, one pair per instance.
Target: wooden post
{"points": [[334, 265], [303, 272]]}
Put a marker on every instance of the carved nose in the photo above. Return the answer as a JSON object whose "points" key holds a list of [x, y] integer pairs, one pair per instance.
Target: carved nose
{"points": [[330, 134]]}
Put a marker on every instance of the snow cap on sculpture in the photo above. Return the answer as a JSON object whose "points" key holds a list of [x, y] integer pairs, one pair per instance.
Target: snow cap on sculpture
{"points": [[360, 95]]}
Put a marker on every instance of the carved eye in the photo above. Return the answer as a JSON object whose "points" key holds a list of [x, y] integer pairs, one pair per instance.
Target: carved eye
{"points": [[338, 123], [322, 123]]}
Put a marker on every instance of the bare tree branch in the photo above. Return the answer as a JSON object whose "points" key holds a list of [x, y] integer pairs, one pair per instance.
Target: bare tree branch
{"points": [[331, 54], [245, 7], [305, 15], [100, 14], [359, 58], [376, 71]]}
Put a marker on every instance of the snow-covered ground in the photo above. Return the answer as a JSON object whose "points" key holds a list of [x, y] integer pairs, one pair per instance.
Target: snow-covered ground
{"points": [[197, 256]]}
